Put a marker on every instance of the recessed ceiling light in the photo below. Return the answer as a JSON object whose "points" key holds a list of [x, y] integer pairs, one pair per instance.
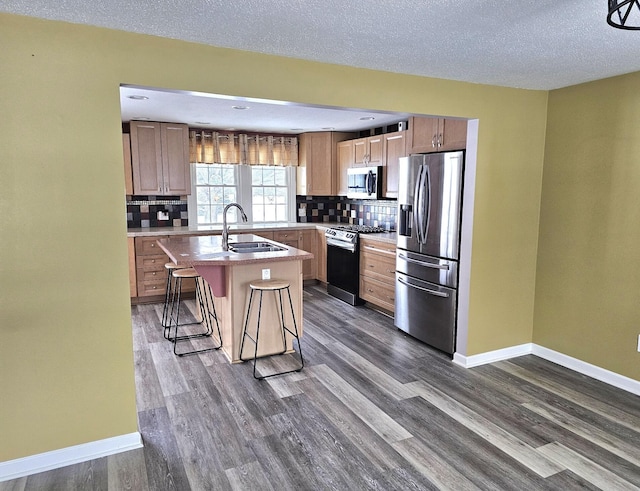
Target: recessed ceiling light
{"points": [[328, 128], [367, 118], [138, 97], [202, 122], [297, 129], [240, 108]]}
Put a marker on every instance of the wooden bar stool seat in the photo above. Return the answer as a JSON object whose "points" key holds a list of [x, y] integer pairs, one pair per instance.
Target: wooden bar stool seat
{"points": [[277, 287], [204, 302]]}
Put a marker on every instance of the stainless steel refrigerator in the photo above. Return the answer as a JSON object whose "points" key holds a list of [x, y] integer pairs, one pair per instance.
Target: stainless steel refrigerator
{"points": [[428, 230]]}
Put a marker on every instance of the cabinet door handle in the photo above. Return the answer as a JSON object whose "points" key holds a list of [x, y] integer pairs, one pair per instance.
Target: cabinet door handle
{"points": [[434, 141]]}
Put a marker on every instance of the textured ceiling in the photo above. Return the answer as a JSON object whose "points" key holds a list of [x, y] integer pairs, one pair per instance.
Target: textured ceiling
{"points": [[532, 44]]}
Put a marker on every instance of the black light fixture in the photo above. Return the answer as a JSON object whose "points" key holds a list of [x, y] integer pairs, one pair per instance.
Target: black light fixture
{"points": [[624, 14]]}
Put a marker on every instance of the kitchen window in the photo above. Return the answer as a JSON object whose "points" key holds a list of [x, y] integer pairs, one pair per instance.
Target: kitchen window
{"points": [[266, 193]]}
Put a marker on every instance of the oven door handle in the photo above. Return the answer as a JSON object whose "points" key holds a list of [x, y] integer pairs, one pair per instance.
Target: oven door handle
{"points": [[426, 290], [421, 263], [341, 245]]}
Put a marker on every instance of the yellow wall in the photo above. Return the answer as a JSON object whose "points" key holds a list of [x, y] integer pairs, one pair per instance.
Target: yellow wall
{"points": [[587, 301], [66, 347]]}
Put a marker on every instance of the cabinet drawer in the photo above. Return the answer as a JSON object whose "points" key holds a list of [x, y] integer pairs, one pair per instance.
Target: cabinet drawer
{"points": [[380, 267], [147, 245], [155, 283], [377, 292], [151, 263], [289, 237], [379, 248]]}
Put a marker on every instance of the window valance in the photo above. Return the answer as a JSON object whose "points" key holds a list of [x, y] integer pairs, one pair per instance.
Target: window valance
{"points": [[214, 147]]}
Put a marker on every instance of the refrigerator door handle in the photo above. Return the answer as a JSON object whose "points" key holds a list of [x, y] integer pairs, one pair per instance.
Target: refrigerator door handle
{"points": [[416, 201], [426, 265], [426, 290], [420, 206], [427, 188]]}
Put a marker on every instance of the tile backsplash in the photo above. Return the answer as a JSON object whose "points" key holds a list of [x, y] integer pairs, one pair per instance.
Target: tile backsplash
{"points": [[319, 209], [156, 211], [172, 211]]}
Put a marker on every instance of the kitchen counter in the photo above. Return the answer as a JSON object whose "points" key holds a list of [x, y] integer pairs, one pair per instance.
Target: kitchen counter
{"points": [[229, 275]]}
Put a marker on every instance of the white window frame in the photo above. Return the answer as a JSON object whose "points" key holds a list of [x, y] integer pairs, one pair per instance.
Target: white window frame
{"points": [[243, 175]]}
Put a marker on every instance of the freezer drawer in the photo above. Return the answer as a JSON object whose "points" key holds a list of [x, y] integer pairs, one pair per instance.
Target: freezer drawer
{"points": [[426, 311], [427, 268]]}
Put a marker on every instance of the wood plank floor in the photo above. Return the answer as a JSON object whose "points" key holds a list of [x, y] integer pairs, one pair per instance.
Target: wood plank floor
{"points": [[373, 409]]}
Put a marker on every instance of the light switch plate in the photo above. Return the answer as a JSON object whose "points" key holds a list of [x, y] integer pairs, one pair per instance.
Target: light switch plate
{"points": [[266, 274]]}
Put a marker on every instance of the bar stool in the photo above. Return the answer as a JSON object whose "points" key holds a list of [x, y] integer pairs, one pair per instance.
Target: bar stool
{"points": [[170, 267], [275, 286], [204, 301]]}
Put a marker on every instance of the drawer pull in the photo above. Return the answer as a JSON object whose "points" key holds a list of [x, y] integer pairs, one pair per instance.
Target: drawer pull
{"points": [[153, 260], [384, 251]]}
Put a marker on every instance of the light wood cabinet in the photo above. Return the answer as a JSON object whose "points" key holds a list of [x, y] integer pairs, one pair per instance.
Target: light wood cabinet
{"points": [[287, 237], [395, 147], [377, 273], [128, 172], [427, 135], [151, 275], [346, 158], [133, 286], [368, 151], [317, 163], [308, 243], [321, 248], [160, 158]]}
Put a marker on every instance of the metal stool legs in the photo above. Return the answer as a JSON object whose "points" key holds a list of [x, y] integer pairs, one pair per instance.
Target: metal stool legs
{"points": [[276, 287], [204, 301]]}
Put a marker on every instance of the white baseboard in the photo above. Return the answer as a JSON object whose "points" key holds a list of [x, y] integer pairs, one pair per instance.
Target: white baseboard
{"points": [[492, 356], [13, 469], [593, 371]]}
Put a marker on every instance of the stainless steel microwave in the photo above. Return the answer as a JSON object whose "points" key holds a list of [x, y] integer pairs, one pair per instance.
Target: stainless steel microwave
{"points": [[364, 182]]}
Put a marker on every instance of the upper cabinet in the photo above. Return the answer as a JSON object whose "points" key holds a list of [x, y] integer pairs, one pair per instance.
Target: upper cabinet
{"points": [[317, 166], [395, 147], [346, 158], [160, 158], [436, 135], [128, 173], [368, 151]]}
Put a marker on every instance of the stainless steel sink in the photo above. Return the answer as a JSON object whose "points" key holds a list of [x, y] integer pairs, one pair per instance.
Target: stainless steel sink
{"points": [[251, 247]]}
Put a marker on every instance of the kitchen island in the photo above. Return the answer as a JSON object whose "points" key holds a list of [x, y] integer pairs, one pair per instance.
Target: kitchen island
{"points": [[229, 274]]}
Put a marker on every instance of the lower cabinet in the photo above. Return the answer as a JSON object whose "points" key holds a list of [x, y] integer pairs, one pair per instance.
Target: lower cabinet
{"points": [[308, 243], [304, 240], [151, 275], [321, 248], [378, 273]]}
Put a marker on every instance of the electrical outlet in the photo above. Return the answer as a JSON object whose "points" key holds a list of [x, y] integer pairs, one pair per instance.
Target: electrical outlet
{"points": [[266, 274]]}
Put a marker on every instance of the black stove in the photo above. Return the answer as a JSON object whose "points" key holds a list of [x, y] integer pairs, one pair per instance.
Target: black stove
{"points": [[343, 260]]}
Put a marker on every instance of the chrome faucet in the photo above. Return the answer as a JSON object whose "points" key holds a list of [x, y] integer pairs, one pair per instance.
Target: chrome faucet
{"points": [[225, 227]]}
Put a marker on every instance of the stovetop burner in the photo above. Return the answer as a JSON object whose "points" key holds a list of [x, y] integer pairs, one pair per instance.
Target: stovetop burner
{"points": [[361, 229]]}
